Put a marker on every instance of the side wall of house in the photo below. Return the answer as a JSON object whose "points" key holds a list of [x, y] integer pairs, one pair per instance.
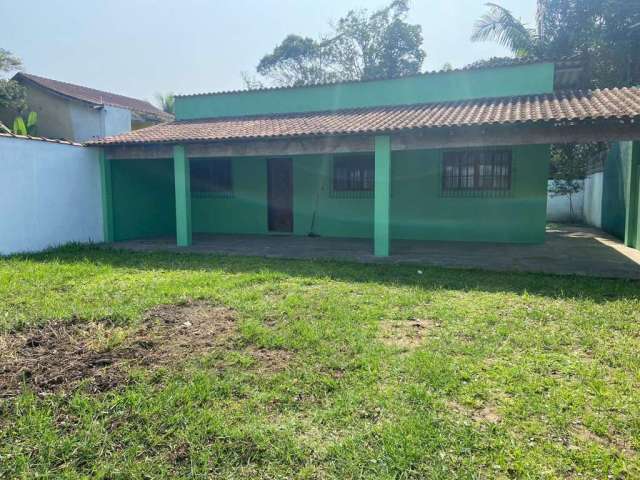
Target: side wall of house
{"points": [[615, 195], [50, 195], [621, 192], [436, 87], [73, 120], [143, 198], [418, 210], [54, 114], [144, 201]]}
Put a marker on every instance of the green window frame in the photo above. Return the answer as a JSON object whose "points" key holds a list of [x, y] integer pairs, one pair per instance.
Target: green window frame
{"points": [[353, 176], [211, 177], [477, 173]]}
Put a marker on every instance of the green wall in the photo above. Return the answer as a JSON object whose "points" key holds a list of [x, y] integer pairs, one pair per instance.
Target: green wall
{"points": [[620, 192], [631, 155], [417, 209], [143, 198], [245, 211], [614, 191], [447, 86], [144, 201]]}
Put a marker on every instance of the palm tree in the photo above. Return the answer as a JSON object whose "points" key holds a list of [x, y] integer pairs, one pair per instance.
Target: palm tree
{"points": [[499, 25], [166, 102]]}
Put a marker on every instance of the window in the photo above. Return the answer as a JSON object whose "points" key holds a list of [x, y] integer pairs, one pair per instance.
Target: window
{"points": [[211, 176], [353, 173], [476, 172]]}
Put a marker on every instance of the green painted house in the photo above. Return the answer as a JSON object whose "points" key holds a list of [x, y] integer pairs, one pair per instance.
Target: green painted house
{"points": [[450, 156]]}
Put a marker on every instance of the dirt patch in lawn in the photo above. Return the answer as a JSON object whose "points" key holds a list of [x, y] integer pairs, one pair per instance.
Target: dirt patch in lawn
{"points": [[485, 414], [406, 334], [612, 442], [61, 354]]}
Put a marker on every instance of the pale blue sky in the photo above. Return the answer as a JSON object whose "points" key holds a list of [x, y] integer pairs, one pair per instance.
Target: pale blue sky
{"points": [[138, 47]]}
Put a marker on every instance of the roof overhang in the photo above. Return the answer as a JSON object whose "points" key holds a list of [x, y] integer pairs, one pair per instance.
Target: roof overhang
{"points": [[415, 139]]}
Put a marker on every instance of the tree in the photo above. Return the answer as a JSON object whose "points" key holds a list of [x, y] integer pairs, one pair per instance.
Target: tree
{"points": [[569, 165], [166, 102], [12, 94], [500, 26], [28, 127], [8, 61], [362, 45], [298, 61], [605, 34]]}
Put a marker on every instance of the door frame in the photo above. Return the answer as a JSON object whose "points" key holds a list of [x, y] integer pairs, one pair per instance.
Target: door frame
{"points": [[271, 220]]}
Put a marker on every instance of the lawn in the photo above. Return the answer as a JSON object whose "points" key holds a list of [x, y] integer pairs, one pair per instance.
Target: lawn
{"points": [[153, 365]]}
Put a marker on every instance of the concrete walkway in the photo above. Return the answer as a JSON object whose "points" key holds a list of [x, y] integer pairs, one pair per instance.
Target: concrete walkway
{"points": [[567, 250]]}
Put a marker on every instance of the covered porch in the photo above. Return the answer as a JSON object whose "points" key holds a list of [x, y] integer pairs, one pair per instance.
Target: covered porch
{"points": [[568, 250], [472, 172]]}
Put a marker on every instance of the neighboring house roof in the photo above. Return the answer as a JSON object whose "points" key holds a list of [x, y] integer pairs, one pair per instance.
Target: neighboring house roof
{"points": [[618, 103], [95, 97]]}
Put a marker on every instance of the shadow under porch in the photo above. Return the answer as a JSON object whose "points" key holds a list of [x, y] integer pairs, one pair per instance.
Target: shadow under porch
{"points": [[568, 250]]}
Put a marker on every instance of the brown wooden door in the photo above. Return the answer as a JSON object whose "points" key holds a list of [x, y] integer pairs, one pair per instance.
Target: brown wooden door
{"points": [[280, 194]]}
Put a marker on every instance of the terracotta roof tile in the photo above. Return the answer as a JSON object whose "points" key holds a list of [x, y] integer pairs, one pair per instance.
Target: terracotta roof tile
{"points": [[623, 103], [95, 97]]}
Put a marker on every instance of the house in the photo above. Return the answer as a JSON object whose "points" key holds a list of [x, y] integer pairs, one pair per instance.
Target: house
{"points": [[459, 155], [78, 113]]}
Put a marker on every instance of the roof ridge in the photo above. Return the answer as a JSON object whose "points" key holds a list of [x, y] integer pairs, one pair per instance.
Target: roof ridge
{"points": [[31, 75], [58, 87], [550, 107], [554, 94]]}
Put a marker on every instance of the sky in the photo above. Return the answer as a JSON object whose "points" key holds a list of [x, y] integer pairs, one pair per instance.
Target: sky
{"points": [[140, 47]]}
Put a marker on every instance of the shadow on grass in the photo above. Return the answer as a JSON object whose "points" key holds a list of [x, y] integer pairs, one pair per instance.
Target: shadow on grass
{"points": [[432, 278]]}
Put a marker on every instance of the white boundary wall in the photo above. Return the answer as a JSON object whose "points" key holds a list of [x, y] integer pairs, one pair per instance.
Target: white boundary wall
{"points": [[593, 199], [587, 203], [558, 208], [50, 194]]}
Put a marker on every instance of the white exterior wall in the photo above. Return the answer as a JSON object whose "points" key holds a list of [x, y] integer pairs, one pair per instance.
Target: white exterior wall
{"points": [[88, 122], [50, 194], [593, 199], [116, 120], [558, 208]]}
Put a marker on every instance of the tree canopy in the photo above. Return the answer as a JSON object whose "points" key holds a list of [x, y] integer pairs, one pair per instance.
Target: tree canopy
{"points": [[362, 45], [166, 102], [604, 34], [12, 95]]}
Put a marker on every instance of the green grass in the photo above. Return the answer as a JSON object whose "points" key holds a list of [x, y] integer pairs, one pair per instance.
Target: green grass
{"points": [[518, 375]]}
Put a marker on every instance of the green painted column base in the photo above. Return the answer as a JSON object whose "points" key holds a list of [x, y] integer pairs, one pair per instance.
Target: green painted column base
{"points": [[382, 196], [107, 197], [632, 224], [183, 196]]}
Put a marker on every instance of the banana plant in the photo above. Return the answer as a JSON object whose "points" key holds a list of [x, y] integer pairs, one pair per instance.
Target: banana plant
{"points": [[30, 127]]}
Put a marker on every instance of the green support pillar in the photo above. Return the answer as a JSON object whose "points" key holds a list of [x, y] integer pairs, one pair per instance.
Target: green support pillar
{"points": [[183, 196], [382, 196], [107, 197], [632, 229]]}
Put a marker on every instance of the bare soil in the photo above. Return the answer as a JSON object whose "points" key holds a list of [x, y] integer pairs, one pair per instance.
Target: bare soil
{"points": [[485, 414], [59, 355], [407, 334]]}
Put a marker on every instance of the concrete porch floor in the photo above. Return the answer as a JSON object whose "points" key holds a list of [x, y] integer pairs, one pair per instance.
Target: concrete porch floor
{"points": [[568, 250]]}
